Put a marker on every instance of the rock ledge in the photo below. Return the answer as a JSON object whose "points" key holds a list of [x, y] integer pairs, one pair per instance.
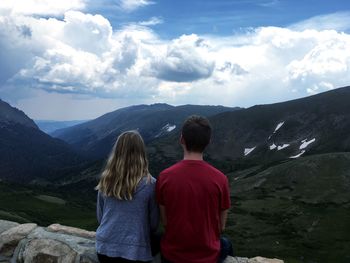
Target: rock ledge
{"points": [[29, 243]]}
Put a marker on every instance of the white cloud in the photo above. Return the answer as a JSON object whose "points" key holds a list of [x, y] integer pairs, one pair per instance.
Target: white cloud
{"points": [[270, 3], [91, 33], [40, 7], [337, 21], [325, 66], [131, 5], [152, 21], [82, 54]]}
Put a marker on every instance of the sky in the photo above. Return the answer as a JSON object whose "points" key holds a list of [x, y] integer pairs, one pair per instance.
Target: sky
{"points": [[79, 59]]}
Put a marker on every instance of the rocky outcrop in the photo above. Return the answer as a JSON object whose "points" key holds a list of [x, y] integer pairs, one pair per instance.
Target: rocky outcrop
{"points": [[27, 243]]}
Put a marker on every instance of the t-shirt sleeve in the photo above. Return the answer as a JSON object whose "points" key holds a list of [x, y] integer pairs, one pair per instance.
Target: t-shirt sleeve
{"points": [[225, 195], [159, 194]]}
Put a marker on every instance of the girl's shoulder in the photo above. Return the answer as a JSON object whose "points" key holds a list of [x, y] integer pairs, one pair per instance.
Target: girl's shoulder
{"points": [[152, 180], [147, 182]]}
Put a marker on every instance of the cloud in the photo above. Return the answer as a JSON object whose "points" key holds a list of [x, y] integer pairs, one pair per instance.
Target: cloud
{"points": [[337, 21], [131, 5], [82, 55], [152, 22], [270, 3], [94, 35], [40, 7], [320, 68], [184, 60], [56, 59]]}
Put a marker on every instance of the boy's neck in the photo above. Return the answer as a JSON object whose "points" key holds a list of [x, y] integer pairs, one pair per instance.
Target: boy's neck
{"points": [[193, 156]]}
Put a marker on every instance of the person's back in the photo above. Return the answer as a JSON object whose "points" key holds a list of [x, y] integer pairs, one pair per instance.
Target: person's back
{"points": [[125, 226], [195, 195], [194, 198], [126, 208]]}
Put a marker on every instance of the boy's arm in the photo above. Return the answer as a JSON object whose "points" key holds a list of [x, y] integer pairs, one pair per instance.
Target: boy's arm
{"points": [[223, 219], [225, 204]]}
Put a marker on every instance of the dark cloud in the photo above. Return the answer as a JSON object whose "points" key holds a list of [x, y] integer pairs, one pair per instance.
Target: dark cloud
{"points": [[183, 62], [25, 31]]}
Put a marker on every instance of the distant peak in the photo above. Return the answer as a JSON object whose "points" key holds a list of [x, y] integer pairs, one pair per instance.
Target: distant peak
{"points": [[10, 114]]}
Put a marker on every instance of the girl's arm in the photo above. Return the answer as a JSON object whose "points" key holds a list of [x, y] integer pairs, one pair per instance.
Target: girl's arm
{"points": [[99, 207], [154, 213]]}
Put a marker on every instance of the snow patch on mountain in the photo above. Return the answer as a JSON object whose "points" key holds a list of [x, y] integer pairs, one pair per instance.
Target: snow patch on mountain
{"points": [[282, 147], [279, 147], [305, 143], [298, 155], [248, 150], [273, 146], [168, 127], [278, 126], [276, 129]]}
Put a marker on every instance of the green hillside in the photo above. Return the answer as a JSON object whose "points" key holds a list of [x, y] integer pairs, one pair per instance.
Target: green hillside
{"points": [[26, 204], [298, 211]]}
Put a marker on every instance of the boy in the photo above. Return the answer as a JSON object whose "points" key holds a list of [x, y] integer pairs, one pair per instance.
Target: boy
{"points": [[194, 199]]}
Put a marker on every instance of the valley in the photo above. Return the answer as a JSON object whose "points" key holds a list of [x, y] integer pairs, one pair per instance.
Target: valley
{"points": [[288, 165]]}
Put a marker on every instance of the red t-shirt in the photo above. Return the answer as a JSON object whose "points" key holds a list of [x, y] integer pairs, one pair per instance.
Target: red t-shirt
{"points": [[193, 193]]}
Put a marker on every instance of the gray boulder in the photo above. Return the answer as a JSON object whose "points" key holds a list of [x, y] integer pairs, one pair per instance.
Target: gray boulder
{"points": [[10, 238], [46, 251], [28, 243], [77, 249], [6, 225]]}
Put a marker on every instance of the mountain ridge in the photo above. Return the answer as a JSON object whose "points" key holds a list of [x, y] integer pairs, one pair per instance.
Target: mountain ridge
{"points": [[272, 132], [97, 136], [14, 115], [29, 155]]}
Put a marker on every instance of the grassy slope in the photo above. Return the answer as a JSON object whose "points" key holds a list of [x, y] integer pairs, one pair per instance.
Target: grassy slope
{"points": [[298, 210], [26, 204]]}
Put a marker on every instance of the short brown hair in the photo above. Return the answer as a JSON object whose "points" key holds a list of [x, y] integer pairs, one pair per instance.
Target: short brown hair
{"points": [[196, 132]]}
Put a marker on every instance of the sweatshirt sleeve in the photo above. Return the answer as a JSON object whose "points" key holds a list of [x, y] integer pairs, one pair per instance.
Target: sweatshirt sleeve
{"points": [[154, 211], [99, 207]]}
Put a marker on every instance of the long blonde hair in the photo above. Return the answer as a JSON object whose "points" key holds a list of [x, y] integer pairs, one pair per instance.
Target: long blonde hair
{"points": [[126, 165]]}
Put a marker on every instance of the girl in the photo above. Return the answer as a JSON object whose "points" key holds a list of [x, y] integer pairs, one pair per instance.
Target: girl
{"points": [[126, 207]]}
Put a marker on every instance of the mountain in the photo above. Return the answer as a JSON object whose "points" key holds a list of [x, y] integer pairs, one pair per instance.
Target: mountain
{"points": [[298, 210], [29, 155], [96, 137], [10, 114], [49, 127], [269, 133]]}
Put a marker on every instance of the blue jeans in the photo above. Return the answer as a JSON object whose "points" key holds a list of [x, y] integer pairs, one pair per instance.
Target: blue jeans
{"points": [[106, 259], [225, 250]]}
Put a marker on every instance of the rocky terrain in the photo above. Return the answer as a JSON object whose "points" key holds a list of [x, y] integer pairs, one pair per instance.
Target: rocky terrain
{"points": [[29, 243]]}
